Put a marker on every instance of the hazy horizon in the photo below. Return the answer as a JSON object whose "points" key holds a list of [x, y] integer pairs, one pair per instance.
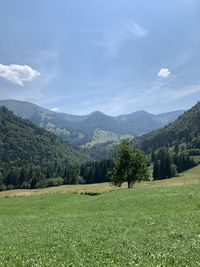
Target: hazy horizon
{"points": [[94, 111]]}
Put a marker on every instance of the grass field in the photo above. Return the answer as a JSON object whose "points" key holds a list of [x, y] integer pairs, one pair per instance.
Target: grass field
{"points": [[154, 224]]}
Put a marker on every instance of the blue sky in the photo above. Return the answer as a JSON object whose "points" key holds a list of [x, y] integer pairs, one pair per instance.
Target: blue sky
{"points": [[116, 56]]}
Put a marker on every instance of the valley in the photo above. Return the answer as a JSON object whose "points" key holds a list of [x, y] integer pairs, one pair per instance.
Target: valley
{"points": [[100, 133], [83, 130]]}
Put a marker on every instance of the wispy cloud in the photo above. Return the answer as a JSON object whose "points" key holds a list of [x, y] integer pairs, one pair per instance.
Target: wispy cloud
{"points": [[164, 72], [18, 74], [114, 37], [156, 95]]}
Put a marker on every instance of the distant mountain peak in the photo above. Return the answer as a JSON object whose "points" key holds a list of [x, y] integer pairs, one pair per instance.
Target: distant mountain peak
{"points": [[141, 111], [97, 112]]}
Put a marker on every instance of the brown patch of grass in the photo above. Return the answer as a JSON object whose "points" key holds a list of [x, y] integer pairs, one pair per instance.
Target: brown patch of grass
{"points": [[78, 189]]}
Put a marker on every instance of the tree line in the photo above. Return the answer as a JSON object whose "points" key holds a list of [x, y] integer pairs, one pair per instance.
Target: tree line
{"points": [[167, 165], [31, 177]]}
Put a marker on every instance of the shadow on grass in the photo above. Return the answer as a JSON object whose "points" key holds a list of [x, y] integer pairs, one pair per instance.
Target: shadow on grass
{"points": [[90, 193]]}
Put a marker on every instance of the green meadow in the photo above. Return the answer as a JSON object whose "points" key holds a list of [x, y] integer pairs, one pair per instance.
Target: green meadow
{"points": [[154, 224]]}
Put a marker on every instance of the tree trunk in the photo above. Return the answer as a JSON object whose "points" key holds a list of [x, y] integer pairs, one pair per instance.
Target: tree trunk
{"points": [[130, 184]]}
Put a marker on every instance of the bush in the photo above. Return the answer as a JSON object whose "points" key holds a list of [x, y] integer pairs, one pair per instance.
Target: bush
{"points": [[50, 182], [55, 181], [42, 184], [80, 180], [26, 185], [3, 187], [10, 187]]}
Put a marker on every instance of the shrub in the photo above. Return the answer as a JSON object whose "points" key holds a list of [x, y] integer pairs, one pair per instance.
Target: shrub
{"points": [[10, 187], [26, 185], [55, 181], [50, 182], [3, 187]]}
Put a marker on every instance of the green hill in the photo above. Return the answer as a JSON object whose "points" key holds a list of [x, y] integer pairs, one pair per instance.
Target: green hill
{"points": [[25, 148], [185, 130]]}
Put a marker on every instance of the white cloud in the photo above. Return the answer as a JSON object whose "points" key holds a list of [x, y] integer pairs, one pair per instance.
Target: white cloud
{"points": [[54, 109], [18, 74], [164, 73]]}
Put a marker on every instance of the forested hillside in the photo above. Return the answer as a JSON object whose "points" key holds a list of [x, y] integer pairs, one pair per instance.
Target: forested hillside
{"points": [[28, 152], [176, 147], [185, 130]]}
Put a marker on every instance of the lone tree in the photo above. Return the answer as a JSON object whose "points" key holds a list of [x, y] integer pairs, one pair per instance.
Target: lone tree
{"points": [[130, 165]]}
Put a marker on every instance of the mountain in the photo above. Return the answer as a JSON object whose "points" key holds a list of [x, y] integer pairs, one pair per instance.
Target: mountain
{"points": [[23, 143], [142, 122], [185, 130], [83, 130]]}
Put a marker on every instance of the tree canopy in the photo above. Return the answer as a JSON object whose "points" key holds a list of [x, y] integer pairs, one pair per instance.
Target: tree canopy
{"points": [[29, 153], [130, 165]]}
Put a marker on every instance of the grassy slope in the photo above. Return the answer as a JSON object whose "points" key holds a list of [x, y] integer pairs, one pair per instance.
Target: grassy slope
{"points": [[152, 225], [101, 137]]}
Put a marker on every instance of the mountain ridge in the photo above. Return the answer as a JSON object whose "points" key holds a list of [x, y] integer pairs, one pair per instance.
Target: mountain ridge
{"points": [[80, 129], [6, 102]]}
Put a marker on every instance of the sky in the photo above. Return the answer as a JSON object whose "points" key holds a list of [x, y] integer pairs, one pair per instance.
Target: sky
{"points": [[115, 56]]}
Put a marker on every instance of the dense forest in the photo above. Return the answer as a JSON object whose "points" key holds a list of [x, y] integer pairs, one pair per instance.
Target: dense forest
{"points": [[96, 172], [185, 130], [174, 147], [29, 154], [167, 163]]}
